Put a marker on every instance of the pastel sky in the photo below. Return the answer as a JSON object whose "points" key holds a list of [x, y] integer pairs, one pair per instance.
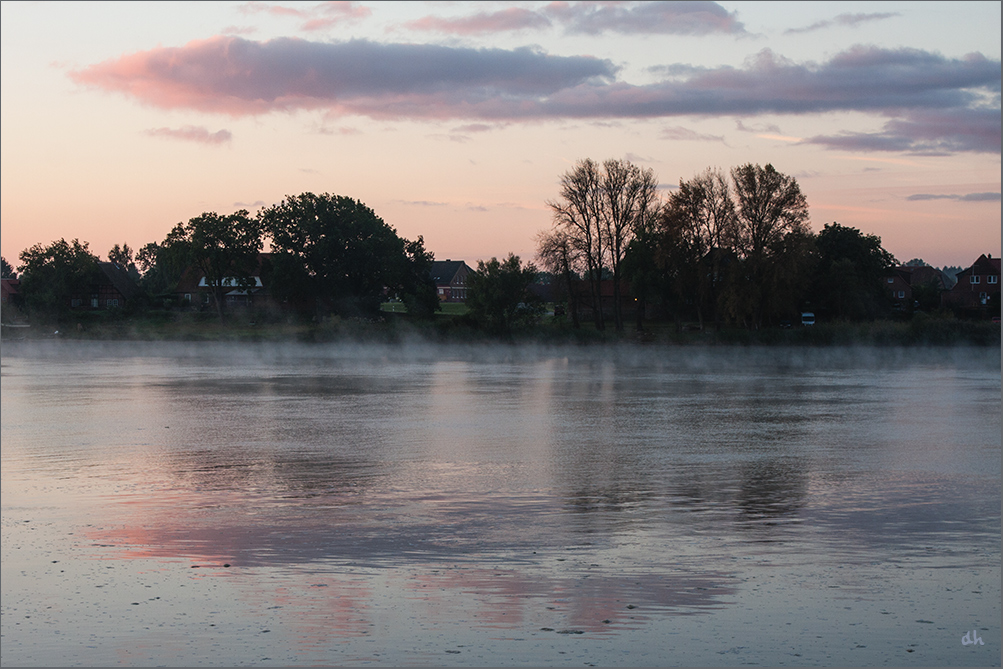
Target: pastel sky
{"points": [[455, 121]]}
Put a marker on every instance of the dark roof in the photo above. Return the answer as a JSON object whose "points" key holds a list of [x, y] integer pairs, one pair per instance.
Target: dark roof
{"points": [[120, 279], [918, 275], [443, 271], [192, 276]]}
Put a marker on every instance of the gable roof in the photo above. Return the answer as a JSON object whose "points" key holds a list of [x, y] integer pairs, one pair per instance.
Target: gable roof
{"points": [[120, 279], [444, 271]]}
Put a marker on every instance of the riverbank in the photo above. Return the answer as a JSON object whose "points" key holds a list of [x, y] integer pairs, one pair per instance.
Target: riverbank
{"points": [[921, 330]]}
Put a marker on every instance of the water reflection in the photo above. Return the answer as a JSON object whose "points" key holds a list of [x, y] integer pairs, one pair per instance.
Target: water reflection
{"points": [[547, 490]]}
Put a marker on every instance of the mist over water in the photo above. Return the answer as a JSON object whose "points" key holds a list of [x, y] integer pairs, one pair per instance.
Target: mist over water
{"points": [[303, 504]]}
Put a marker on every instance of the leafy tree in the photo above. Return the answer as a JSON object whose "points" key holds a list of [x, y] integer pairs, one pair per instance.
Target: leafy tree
{"points": [[6, 271], [51, 275], [499, 297], [121, 255], [848, 279], [700, 217], [917, 262], [333, 253], [416, 287], [162, 265], [769, 206], [223, 248]]}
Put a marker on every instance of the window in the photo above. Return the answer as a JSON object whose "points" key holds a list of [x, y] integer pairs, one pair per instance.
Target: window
{"points": [[112, 302], [94, 302], [992, 278], [188, 296], [974, 278], [891, 279], [983, 297], [76, 302], [901, 294]]}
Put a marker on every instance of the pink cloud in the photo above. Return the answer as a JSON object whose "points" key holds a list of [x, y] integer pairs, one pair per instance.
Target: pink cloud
{"points": [[239, 77], [276, 10], [236, 76], [513, 18], [351, 10], [318, 17], [191, 133]]}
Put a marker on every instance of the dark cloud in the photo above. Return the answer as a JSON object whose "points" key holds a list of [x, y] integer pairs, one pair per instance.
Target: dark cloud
{"points": [[242, 77], [933, 132], [845, 20], [933, 100], [660, 18], [191, 133], [970, 197], [767, 127]]}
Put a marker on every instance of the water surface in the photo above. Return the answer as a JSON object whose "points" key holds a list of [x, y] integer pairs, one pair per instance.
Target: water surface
{"points": [[253, 504]]}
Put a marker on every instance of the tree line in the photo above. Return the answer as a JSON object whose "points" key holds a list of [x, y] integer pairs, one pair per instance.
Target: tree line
{"points": [[723, 248], [329, 255]]}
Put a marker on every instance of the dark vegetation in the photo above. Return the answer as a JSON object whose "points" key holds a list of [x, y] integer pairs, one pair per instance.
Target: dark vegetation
{"points": [[724, 259]]}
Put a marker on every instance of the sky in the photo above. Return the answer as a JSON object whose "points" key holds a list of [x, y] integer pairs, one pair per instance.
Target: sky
{"points": [[455, 121]]}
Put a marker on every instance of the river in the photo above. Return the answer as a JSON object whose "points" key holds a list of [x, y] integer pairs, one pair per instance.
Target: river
{"points": [[235, 504]]}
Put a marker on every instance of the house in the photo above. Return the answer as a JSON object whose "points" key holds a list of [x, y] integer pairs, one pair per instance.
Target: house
{"points": [[112, 288], [977, 292], [9, 290], [903, 284], [194, 290], [450, 278]]}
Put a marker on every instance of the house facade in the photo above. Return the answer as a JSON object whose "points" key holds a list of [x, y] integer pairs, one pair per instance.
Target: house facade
{"points": [[194, 291], [450, 278], [902, 282], [977, 292], [112, 288]]}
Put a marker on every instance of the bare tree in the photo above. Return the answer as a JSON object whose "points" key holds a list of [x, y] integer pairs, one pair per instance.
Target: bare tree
{"points": [[599, 210], [579, 214], [628, 204], [559, 256]]}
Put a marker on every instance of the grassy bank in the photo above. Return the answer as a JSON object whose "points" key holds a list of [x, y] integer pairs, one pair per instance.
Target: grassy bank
{"points": [[392, 327]]}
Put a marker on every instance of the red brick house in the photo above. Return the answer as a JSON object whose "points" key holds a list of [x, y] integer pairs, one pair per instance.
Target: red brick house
{"points": [[977, 293], [450, 278], [901, 281], [9, 290]]}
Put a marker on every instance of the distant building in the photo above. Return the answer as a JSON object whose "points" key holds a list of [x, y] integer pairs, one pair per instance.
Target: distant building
{"points": [[450, 278], [9, 290], [193, 289], [977, 293], [901, 282], [113, 288]]}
